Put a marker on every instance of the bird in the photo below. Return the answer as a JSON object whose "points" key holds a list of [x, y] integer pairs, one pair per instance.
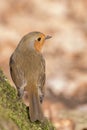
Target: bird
{"points": [[27, 69]]}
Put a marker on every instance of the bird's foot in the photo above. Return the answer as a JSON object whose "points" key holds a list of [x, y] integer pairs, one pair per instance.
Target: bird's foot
{"points": [[20, 92]]}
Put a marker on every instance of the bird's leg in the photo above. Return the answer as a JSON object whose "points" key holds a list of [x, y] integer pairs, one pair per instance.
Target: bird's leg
{"points": [[21, 90], [20, 94]]}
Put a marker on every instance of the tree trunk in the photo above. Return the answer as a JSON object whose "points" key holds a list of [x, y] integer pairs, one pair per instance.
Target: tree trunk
{"points": [[13, 113]]}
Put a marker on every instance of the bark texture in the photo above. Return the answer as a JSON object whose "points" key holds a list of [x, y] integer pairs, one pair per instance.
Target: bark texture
{"points": [[13, 113]]}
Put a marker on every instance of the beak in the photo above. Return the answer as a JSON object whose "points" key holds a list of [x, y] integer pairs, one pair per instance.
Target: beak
{"points": [[48, 37]]}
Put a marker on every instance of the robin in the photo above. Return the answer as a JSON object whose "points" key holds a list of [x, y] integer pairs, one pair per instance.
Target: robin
{"points": [[27, 68]]}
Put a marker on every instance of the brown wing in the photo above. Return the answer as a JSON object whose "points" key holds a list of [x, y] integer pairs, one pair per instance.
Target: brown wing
{"points": [[42, 79], [16, 72]]}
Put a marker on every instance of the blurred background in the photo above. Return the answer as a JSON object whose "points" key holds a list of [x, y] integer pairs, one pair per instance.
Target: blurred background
{"points": [[66, 56]]}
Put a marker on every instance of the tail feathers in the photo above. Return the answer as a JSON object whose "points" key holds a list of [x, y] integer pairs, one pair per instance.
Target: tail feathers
{"points": [[35, 110]]}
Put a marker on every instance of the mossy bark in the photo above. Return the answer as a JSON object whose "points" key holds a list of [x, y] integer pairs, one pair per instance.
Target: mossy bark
{"points": [[13, 113]]}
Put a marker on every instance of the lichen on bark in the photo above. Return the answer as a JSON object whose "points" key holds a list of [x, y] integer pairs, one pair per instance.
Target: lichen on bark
{"points": [[13, 112]]}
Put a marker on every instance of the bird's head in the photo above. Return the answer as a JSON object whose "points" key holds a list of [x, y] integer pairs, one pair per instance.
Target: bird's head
{"points": [[35, 40]]}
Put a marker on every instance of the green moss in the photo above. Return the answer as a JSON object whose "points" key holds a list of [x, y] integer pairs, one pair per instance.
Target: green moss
{"points": [[15, 110]]}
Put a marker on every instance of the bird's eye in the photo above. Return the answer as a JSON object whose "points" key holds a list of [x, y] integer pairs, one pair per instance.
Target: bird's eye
{"points": [[39, 39]]}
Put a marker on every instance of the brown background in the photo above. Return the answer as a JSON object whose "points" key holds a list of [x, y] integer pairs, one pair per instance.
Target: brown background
{"points": [[65, 53]]}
